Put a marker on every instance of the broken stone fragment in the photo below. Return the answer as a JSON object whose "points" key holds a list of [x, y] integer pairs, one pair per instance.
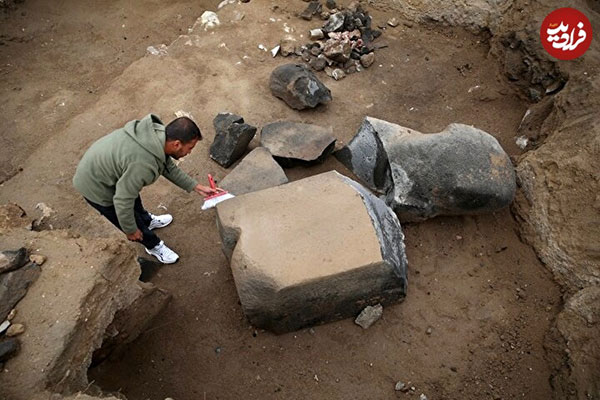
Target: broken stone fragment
{"points": [[368, 35], [257, 171], [231, 138], [313, 8], [12, 259], [209, 20], [14, 285], [298, 87], [15, 330], [393, 22], [306, 56], [335, 23], [315, 50], [316, 34], [288, 46], [330, 4], [369, 316], [461, 170], [366, 60], [338, 51], [312, 251], [318, 63], [335, 73], [37, 259], [293, 143]]}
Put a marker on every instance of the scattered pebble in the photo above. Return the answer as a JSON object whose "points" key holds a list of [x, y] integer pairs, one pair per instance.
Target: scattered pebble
{"points": [[369, 316], [15, 330], [393, 22], [429, 330], [209, 20], [400, 386], [522, 142], [422, 397], [37, 259]]}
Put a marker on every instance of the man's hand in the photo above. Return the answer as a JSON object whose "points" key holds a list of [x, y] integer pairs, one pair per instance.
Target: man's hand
{"points": [[206, 190], [136, 236]]}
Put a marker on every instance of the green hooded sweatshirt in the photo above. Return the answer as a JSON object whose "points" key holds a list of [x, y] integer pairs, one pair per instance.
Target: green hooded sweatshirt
{"points": [[117, 166]]}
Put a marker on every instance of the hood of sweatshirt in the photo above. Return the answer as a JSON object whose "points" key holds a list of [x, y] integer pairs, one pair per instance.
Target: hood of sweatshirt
{"points": [[146, 134]]}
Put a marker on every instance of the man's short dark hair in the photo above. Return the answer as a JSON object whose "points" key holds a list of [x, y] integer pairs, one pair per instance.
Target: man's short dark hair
{"points": [[182, 129]]}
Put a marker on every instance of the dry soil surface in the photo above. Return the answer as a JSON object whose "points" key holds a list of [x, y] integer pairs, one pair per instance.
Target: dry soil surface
{"points": [[479, 302]]}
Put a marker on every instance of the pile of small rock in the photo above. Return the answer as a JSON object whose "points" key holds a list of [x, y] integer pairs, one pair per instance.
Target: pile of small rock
{"points": [[17, 272], [343, 45]]}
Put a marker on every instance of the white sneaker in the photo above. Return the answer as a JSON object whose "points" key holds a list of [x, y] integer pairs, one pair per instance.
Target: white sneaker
{"points": [[160, 221], [164, 254]]}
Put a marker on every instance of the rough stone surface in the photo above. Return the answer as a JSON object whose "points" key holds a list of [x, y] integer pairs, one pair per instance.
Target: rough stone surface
{"points": [[318, 63], [314, 7], [37, 259], [315, 250], [288, 46], [12, 259], [578, 329], [334, 23], [298, 87], [337, 51], [369, 316], [316, 34], [473, 14], [293, 143], [231, 138], [12, 216], [366, 60], [64, 327], [461, 170], [257, 171], [559, 204], [14, 285]]}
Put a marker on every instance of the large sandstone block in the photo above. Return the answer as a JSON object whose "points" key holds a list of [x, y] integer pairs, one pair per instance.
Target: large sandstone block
{"points": [[315, 250], [294, 143], [461, 170], [257, 171]]}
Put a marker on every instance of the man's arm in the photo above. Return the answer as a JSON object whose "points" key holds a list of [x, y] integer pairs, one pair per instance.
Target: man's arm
{"points": [[174, 174], [129, 185]]}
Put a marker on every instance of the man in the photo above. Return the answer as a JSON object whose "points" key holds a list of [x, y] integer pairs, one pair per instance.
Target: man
{"points": [[116, 167]]}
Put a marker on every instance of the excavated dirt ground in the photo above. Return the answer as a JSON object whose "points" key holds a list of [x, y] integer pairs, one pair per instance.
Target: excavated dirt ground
{"points": [[484, 295]]}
